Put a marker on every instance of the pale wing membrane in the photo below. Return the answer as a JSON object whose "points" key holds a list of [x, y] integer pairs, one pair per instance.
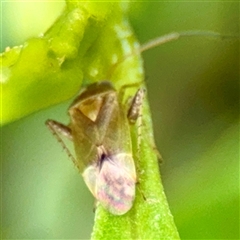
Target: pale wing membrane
{"points": [[115, 183]]}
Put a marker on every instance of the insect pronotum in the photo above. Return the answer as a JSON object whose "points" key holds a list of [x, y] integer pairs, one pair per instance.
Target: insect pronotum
{"points": [[99, 129]]}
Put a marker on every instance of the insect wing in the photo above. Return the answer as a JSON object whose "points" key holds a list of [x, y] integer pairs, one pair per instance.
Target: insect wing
{"points": [[115, 183], [100, 132], [90, 177], [85, 112], [117, 137]]}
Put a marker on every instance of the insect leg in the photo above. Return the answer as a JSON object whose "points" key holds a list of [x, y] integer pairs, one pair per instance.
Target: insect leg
{"points": [[125, 87], [135, 115], [135, 110], [141, 192], [58, 129]]}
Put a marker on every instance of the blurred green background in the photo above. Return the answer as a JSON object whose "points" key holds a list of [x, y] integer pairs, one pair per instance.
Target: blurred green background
{"points": [[193, 89]]}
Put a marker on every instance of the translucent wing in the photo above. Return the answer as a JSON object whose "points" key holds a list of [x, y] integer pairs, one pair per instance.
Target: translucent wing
{"points": [[115, 185]]}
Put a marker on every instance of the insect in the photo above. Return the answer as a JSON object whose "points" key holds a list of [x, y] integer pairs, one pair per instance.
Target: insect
{"points": [[99, 129]]}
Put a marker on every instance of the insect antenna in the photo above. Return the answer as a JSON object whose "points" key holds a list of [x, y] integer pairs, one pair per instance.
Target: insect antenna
{"points": [[170, 37]]}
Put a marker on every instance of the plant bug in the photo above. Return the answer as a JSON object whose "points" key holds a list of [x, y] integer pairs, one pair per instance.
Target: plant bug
{"points": [[99, 129]]}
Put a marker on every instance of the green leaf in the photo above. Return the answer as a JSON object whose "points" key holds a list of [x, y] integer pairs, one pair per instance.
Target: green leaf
{"points": [[88, 43], [49, 69]]}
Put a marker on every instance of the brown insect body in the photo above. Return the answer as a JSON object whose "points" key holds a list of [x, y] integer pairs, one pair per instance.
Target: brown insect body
{"points": [[98, 120], [99, 129]]}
